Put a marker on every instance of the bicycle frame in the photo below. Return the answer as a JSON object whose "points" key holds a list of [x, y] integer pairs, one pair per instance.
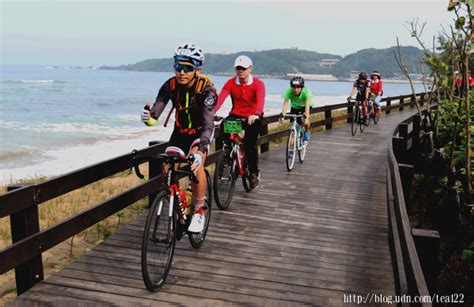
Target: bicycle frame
{"points": [[237, 141], [297, 128], [175, 191]]}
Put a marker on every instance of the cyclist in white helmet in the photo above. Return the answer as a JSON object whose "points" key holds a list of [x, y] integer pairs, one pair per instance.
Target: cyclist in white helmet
{"points": [[194, 97]]}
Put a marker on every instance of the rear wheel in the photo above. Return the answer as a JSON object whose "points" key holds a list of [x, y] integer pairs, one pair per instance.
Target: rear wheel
{"points": [[291, 150], [224, 180], [158, 243], [370, 116], [376, 116], [196, 239], [246, 181]]}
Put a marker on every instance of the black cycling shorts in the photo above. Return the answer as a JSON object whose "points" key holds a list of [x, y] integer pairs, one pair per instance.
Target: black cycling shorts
{"points": [[186, 141], [299, 111]]}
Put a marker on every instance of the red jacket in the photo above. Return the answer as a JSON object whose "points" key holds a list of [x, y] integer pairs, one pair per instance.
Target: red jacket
{"points": [[376, 87], [247, 99]]}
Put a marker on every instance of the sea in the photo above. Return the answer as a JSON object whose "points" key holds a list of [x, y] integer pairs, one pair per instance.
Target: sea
{"points": [[57, 119]]}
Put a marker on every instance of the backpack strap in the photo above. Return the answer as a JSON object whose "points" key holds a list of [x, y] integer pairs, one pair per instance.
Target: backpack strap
{"points": [[172, 89]]}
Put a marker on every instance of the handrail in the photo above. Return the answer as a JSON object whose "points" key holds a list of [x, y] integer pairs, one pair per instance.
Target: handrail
{"points": [[21, 204], [408, 270]]}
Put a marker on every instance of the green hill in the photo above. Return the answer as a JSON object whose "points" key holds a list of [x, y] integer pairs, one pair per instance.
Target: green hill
{"points": [[382, 60], [280, 62]]}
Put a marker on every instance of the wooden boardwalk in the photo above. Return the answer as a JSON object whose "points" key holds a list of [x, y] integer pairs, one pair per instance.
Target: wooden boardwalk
{"points": [[309, 236]]}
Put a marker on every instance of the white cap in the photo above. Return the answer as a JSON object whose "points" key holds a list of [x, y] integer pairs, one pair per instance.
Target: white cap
{"points": [[243, 61]]}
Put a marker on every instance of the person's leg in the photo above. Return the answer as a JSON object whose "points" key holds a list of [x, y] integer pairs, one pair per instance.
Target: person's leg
{"points": [[199, 193], [377, 103], [250, 145]]}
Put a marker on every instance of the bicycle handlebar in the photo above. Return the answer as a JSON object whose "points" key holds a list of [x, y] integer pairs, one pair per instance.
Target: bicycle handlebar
{"points": [[162, 158], [288, 115]]}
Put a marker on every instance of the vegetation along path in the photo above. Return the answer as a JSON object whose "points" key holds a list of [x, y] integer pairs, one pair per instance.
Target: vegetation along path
{"points": [[309, 236]]}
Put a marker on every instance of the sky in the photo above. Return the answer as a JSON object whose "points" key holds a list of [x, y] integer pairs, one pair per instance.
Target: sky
{"points": [[111, 32]]}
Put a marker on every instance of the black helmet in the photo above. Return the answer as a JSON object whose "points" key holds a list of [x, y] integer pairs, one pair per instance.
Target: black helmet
{"points": [[363, 75], [297, 81]]}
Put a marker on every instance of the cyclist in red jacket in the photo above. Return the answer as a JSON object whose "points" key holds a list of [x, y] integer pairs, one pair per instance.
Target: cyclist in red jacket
{"points": [[248, 98], [376, 88]]}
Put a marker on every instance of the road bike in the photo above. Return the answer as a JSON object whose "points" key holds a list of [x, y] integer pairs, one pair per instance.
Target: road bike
{"points": [[358, 120], [296, 141], [232, 164], [374, 112], [169, 217]]}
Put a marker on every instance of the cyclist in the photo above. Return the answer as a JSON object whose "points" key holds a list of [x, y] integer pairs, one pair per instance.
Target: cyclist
{"points": [[376, 88], [362, 87], [300, 97], [248, 98], [194, 97]]}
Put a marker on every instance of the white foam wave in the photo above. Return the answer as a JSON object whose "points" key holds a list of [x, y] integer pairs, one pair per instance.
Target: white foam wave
{"points": [[60, 161], [37, 81]]}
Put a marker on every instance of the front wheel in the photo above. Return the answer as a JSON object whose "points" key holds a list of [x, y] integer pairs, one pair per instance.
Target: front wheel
{"points": [[196, 239], [302, 149], [224, 180], [362, 121], [291, 150], [355, 121], [158, 242]]}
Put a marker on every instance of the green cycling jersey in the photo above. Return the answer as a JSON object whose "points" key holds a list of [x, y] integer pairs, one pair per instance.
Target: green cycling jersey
{"points": [[298, 102]]}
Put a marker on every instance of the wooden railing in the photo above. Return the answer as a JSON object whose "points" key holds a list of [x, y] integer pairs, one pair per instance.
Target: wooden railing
{"points": [[414, 251], [21, 202]]}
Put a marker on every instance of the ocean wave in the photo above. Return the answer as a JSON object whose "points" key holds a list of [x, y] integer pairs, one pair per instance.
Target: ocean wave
{"points": [[37, 81], [34, 81], [274, 97], [8, 155], [92, 129], [128, 117]]}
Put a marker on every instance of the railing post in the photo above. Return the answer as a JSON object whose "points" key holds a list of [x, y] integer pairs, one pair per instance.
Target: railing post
{"points": [[328, 117], [415, 139], [350, 110], [427, 247], [412, 101], [397, 147], [24, 224], [154, 169], [388, 106], [264, 131], [406, 175], [400, 107], [403, 133]]}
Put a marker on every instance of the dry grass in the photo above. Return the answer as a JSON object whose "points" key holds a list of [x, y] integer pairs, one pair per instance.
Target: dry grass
{"points": [[66, 206]]}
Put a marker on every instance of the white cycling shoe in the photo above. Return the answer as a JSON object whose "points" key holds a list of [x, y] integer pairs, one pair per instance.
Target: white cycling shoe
{"points": [[197, 222]]}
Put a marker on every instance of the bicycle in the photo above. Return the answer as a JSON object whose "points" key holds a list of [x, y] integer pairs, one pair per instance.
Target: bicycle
{"points": [[357, 116], [232, 163], [295, 142], [169, 218], [374, 112]]}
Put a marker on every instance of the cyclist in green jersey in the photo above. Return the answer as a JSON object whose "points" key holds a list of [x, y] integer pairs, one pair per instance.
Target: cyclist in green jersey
{"points": [[301, 102]]}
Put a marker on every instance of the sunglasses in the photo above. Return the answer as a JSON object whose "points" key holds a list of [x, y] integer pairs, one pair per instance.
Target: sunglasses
{"points": [[182, 67], [297, 86], [240, 68]]}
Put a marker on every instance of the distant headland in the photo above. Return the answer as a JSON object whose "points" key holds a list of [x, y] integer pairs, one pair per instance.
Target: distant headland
{"points": [[282, 63]]}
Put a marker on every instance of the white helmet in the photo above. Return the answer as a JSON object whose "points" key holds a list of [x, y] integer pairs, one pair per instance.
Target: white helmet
{"points": [[189, 53]]}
